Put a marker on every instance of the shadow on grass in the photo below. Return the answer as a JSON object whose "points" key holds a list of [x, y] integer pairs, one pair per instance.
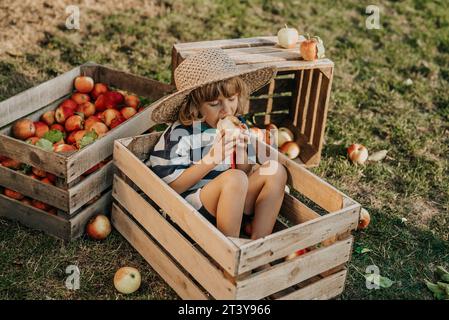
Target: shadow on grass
{"points": [[12, 81]]}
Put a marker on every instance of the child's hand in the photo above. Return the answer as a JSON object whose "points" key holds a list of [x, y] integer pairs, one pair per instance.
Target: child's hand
{"points": [[222, 147]]}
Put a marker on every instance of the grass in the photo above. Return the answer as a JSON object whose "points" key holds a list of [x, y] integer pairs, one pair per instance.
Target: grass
{"points": [[371, 103]]}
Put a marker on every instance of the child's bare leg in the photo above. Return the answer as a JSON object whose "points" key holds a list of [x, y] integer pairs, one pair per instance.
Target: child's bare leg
{"points": [[265, 196], [224, 197]]}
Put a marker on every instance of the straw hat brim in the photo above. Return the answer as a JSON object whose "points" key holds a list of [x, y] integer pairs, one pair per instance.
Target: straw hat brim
{"points": [[167, 110]]}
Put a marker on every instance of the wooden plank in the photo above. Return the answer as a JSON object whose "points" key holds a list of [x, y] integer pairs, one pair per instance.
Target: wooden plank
{"points": [[226, 43], [190, 220], [37, 97], [101, 206], [34, 188], [21, 151], [309, 233], [323, 289], [313, 105], [304, 100], [136, 84], [296, 211], [141, 146], [90, 187], [323, 106], [263, 104], [269, 104], [193, 261], [157, 259], [288, 273], [292, 65], [295, 106], [304, 181], [34, 218]]}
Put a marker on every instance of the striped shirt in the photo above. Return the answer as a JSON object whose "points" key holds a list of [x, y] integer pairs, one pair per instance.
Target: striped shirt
{"points": [[179, 147]]}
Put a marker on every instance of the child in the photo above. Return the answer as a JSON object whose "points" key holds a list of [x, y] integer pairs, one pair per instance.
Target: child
{"points": [[194, 159]]}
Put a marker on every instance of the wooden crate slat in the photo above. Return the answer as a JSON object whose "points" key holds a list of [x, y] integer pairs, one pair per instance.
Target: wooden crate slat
{"points": [[90, 187], [139, 85], [21, 151], [208, 276], [37, 97], [288, 273], [304, 100], [158, 260], [34, 188], [313, 105], [291, 65], [227, 43], [323, 105], [296, 211], [323, 289], [295, 111], [301, 236], [34, 218], [269, 57], [210, 239]]}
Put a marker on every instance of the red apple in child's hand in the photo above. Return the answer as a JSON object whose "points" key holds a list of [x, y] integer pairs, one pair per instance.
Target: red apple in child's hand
{"points": [[84, 84], [99, 88], [23, 129], [290, 149], [358, 153], [364, 220], [41, 129], [98, 227], [80, 98], [127, 280], [48, 117], [75, 122]]}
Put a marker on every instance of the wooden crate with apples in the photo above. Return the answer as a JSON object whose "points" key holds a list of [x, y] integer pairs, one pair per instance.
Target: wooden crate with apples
{"points": [[48, 189], [307, 252], [298, 98]]}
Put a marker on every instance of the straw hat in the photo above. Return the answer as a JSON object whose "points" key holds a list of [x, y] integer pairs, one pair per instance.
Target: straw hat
{"points": [[207, 66]]}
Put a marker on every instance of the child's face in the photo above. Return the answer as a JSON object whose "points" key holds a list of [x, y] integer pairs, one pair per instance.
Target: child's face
{"points": [[218, 109]]}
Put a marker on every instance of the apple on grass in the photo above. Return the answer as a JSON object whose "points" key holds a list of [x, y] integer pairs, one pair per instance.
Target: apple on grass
{"points": [[364, 219], [358, 153], [99, 227], [127, 280]]}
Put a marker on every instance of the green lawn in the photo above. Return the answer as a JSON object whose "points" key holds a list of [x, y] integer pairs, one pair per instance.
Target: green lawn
{"points": [[370, 104]]}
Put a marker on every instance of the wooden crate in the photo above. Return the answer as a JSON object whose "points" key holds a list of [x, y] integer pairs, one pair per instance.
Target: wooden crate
{"points": [[298, 98], [72, 191], [199, 262]]}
